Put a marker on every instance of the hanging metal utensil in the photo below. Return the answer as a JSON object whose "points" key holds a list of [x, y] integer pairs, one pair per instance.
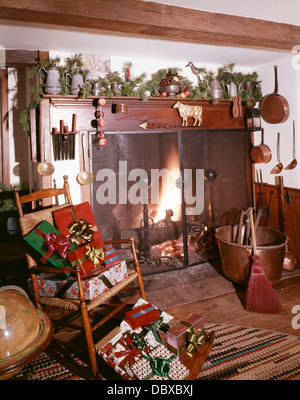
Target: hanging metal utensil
{"points": [[210, 175], [84, 177], [278, 167], [45, 168], [293, 163], [261, 153], [291, 259], [262, 205]]}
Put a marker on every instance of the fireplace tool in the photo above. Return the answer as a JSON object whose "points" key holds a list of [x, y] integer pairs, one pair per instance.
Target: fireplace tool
{"points": [[210, 175]]}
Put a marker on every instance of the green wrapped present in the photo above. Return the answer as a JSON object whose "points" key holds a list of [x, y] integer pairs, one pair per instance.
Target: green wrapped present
{"points": [[47, 245]]}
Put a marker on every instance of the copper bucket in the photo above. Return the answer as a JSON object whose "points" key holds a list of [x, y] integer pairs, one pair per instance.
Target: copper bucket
{"points": [[236, 259]]}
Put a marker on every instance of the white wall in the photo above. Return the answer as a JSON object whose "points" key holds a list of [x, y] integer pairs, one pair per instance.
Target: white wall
{"points": [[288, 87]]}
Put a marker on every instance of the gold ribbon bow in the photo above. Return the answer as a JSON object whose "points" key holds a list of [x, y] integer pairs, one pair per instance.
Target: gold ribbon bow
{"points": [[81, 232], [194, 339], [94, 254]]}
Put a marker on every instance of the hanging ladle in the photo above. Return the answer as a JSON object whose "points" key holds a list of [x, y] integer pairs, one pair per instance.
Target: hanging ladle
{"points": [[45, 168], [293, 163], [278, 167], [84, 177]]}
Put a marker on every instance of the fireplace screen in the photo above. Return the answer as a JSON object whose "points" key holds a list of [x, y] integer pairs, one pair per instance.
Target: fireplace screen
{"points": [[169, 189]]}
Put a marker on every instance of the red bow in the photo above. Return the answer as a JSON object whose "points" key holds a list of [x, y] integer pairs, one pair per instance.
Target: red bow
{"points": [[60, 244]]}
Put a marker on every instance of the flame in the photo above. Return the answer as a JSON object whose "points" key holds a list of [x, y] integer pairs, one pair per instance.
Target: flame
{"points": [[170, 197]]}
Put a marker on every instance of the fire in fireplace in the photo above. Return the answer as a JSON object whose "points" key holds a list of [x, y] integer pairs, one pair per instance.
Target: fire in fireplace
{"points": [[169, 189]]}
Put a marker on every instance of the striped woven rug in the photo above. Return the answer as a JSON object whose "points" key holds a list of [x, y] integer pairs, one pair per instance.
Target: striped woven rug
{"points": [[238, 353], [241, 353]]}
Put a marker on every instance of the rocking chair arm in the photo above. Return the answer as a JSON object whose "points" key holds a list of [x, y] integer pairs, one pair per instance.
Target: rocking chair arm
{"points": [[53, 270]]}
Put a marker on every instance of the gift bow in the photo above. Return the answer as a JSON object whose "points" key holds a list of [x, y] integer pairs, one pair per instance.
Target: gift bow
{"points": [[58, 243], [194, 339], [94, 254], [155, 326], [138, 341], [81, 232], [160, 366]]}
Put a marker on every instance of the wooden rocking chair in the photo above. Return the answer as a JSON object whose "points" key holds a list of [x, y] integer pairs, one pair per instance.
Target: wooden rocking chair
{"points": [[81, 307]]}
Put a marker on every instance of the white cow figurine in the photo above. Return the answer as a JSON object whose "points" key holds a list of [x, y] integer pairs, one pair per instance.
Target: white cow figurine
{"points": [[186, 111]]}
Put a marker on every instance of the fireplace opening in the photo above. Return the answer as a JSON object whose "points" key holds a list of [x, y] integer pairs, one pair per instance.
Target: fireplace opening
{"points": [[169, 190]]}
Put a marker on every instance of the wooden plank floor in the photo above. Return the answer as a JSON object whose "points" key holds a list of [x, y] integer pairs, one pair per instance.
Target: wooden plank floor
{"points": [[228, 309]]}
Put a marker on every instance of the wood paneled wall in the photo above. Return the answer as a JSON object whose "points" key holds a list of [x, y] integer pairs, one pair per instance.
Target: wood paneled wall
{"points": [[284, 212]]}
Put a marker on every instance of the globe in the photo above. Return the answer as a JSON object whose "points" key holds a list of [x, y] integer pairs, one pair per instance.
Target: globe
{"points": [[24, 330]]}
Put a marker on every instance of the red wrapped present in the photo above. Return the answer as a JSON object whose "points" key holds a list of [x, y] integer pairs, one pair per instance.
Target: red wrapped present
{"points": [[186, 335], [79, 224], [142, 315], [89, 257]]}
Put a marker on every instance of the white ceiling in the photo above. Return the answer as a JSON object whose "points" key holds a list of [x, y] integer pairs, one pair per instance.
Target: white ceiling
{"points": [[17, 35]]}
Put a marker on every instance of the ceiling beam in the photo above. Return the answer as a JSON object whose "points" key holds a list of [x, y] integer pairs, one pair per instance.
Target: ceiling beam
{"points": [[150, 19]]}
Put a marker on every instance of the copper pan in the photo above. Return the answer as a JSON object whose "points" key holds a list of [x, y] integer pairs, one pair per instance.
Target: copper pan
{"points": [[261, 153], [274, 108]]}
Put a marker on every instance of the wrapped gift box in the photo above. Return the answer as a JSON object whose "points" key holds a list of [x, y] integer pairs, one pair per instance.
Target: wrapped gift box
{"points": [[177, 336], [104, 349], [46, 244], [78, 223], [142, 315], [110, 256], [92, 287], [150, 367], [153, 331], [88, 257]]}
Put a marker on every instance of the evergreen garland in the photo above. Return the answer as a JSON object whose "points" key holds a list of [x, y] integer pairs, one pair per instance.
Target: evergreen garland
{"points": [[139, 86]]}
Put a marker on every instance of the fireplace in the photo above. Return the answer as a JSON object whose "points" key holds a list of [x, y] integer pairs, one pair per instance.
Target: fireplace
{"points": [[169, 189]]}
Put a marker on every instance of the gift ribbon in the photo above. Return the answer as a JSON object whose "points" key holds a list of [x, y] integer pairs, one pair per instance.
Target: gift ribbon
{"points": [[81, 231], [94, 254], [142, 312], [179, 350], [133, 347], [138, 341], [54, 242], [155, 326], [194, 339], [160, 366]]}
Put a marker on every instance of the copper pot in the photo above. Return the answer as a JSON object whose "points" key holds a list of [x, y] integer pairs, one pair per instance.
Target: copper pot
{"points": [[262, 153]]}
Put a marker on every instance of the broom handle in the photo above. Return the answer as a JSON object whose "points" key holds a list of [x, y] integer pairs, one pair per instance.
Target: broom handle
{"points": [[253, 236]]}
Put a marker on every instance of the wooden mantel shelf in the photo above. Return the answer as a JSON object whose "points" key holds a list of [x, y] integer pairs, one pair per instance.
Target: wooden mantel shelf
{"points": [[154, 110]]}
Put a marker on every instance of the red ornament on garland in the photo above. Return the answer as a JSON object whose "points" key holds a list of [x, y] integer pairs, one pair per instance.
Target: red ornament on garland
{"points": [[99, 114], [102, 142], [101, 102], [164, 94], [101, 135], [101, 123]]}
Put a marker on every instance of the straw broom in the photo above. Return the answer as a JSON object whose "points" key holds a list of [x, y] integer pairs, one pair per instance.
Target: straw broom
{"points": [[260, 296]]}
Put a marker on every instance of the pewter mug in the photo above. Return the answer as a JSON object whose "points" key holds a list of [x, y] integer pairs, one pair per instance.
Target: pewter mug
{"points": [[76, 83], [52, 85], [215, 89], [232, 89]]}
